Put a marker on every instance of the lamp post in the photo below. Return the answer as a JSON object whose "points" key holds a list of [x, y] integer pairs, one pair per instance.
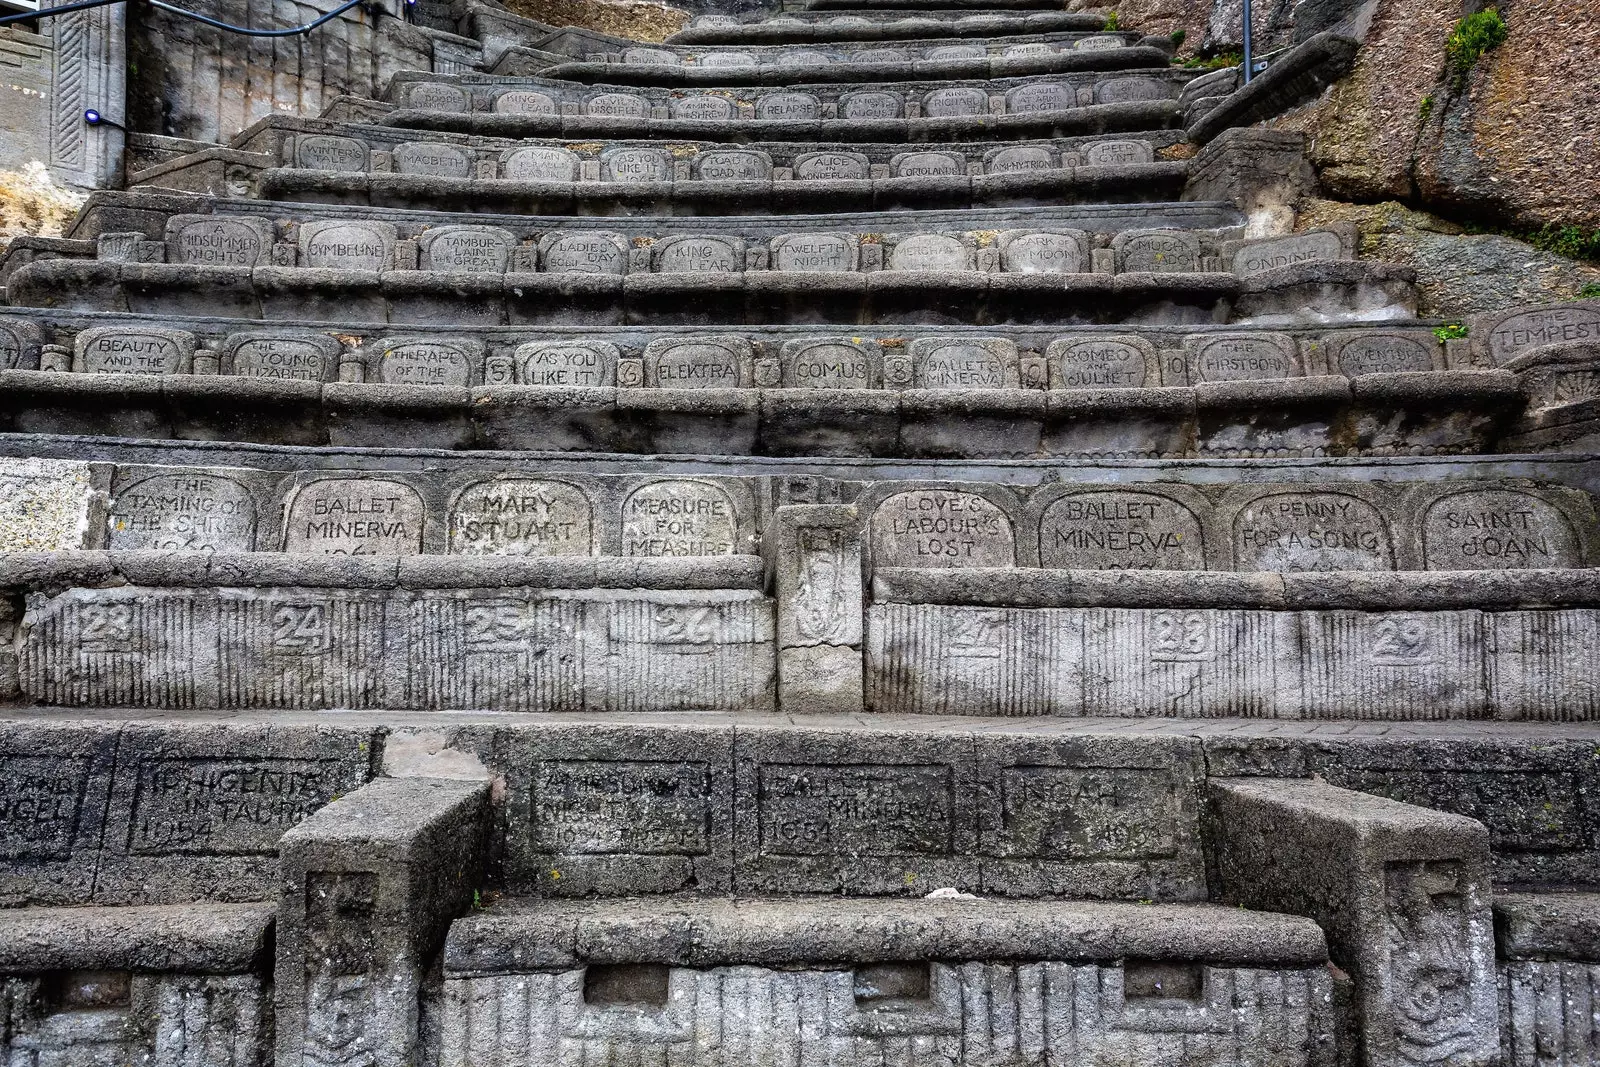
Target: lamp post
{"points": [[1249, 61]]}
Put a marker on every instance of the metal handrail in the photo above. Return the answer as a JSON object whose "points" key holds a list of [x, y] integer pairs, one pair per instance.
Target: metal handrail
{"points": [[81, 5]]}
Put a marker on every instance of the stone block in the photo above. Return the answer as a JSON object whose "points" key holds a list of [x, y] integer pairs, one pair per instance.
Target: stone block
{"points": [[831, 811], [616, 810], [368, 889], [1402, 893], [48, 505]]}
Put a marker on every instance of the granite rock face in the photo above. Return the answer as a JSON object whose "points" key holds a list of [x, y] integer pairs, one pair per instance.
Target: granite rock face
{"points": [[844, 536]]}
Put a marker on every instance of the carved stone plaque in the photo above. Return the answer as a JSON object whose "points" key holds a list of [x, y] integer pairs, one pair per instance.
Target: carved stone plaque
{"points": [[354, 517], [826, 363], [534, 164], [291, 357], [1100, 362], [1042, 253], [695, 253], [703, 107], [1497, 529], [438, 160], [1515, 334], [618, 105], [732, 165], [1130, 90], [636, 165], [1311, 531], [955, 103], [1120, 530], [698, 362], [192, 512], [1118, 154], [963, 363], [871, 104], [598, 252], [422, 361], [679, 517], [1244, 357], [133, 350], [1383, 353], [1020, 158], [524, 102], [941, 528], [814, 252], [1258, 257], [927, 165], [569, 364], [317, 151], [354, 245], [1041, 96], [474, 249], [830, 166], [789, 107], [930, 251], [1158, 251], [217, 241], [521, 517]]}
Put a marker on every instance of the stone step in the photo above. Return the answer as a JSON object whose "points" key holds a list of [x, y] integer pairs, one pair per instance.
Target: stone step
{"points": [[972, 102], [711, 121], [872, 27], [899, 295], [785, 66], [320, 161], [874, 980], [1016, 268], [784, 391]]}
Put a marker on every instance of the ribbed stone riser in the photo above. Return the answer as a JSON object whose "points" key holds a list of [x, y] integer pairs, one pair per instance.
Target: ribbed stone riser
{"points": [[1217, 663], [988, 1013]]}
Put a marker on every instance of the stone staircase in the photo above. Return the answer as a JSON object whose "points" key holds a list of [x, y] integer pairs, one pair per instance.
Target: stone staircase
{"points": [[843, 538]]}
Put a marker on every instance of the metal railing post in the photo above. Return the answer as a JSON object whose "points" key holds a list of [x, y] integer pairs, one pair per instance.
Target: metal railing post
{"points": [[1249, 60]]}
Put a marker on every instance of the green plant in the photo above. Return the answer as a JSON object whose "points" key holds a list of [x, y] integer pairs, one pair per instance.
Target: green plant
{"points": [[1425, 109], [1469, 40], [1111, 21], [1569, 241], [1217, 62], [1589, 292], [1178, 37], [1452, 331]]}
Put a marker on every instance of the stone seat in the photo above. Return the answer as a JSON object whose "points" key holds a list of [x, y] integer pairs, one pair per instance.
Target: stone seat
{"points": [[182, 983], [930, 981], [1350, 292], [873, 26], [806, 96], [693, 195], [773, 70], [1140, 391], [1085, 120]]}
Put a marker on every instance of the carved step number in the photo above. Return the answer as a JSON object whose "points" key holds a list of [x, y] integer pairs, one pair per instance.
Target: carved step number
{"points": [[1180, 636]]}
